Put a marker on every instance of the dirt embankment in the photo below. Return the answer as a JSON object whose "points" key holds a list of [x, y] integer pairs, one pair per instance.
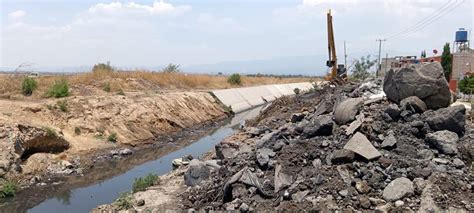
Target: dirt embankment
{"points": [[333, 150], [49, 136]]}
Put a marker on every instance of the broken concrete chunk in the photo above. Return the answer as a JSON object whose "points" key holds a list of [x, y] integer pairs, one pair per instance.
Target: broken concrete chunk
{"points": [[362, 146], [319, 126], [427, 82], [263, 156], [393, 111], [355, 125], [196, 173], [398, 189], [282, 179], [299, 196], [445, 141], [267, 139], [413, 104], [451, 118], [389, 141], [347, 110], [342, 156]]}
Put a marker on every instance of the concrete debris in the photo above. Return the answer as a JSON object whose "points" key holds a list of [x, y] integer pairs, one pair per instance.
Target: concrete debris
{"points": [[377, 155], [347, 110], [445, 141], [362, 146], [196, 173], [398, 189], [426, 82]]}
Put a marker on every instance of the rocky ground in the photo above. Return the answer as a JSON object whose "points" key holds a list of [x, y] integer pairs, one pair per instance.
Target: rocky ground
{"points": [[366, 154], [42, 138]]}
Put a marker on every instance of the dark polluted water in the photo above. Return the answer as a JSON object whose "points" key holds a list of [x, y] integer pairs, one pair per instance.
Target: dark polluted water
{"points": [[81, 194]]}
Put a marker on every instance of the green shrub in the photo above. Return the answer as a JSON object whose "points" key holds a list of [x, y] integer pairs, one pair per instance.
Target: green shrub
{"points": [[112, 137], [59, 89], [296, 91], [120, 92], [77, 130], [171, 68], [8, 190], [125, 200], [62, 105], [50, 132], [28, 86], [234, 79], [140, 184], [107, 86]]}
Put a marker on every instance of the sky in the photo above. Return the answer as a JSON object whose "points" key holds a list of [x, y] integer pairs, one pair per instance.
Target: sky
{"points": [[67, 33]]}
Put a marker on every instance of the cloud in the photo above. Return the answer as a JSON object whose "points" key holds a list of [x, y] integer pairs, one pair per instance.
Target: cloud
{"points": [[157, 8], [17, 14]]}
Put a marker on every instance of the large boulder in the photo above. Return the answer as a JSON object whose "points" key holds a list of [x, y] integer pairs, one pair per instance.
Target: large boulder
{"points": [[426, 82], [450, 118], [347, 110], [196, 173], [445, 141]]}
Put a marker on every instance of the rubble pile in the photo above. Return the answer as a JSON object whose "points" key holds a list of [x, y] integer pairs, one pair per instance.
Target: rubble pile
{"points": [[345, 152]]}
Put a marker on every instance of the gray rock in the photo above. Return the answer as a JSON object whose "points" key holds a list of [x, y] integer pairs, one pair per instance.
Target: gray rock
{"points": [[317, 163], [425, 154], [140, 202], [300, 195], [282, 180], [278, 145], [362, 146], [244, 207], [213, 164], [342, 156], [266, 139], [398, 189], [389, 141], [344, 193], [113, 152], [126, 151], [296, 117], [196, 173], [445, 141], [347, 110], [451, 118], [427, 82], [393, 111], [458, 163], [399, 203], [319, 126], [413, 104], [225, 150], [440, 161], [263, 156], [419, 184]]}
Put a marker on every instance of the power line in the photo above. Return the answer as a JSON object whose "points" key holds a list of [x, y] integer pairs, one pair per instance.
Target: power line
{"points": [[440, 15], [431, 20], [449, 3]]}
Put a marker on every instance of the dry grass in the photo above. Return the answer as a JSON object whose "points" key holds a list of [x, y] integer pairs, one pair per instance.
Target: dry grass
{"points": [[10, 85]]}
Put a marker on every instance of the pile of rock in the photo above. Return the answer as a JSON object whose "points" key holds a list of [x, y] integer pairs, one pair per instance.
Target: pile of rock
{"points": [[362, 154]]}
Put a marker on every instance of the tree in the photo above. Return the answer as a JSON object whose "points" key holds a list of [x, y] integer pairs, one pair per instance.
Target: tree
{"points": [[102, 67], [447, 61], [171, 68], [466, 85], [362, 67]]}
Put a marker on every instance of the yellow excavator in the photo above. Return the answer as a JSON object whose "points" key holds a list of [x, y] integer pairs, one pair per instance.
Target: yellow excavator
{"points": [[338, 72]]}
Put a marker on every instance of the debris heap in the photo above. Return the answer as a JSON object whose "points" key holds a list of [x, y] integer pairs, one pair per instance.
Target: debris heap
{"points": [[336, 149]]}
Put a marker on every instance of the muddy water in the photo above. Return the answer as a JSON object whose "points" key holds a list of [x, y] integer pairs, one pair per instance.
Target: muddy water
{"points": [[106, 182]]}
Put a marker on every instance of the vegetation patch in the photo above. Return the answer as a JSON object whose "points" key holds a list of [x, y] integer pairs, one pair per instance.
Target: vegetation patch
{"points": [[234, 79], [107, 87], [296, 91], [28, 86], [77, 130], [62, 105], [59, 89], [125, 200], [50, 132], [8, 190], [112, 138], [140, 184]]}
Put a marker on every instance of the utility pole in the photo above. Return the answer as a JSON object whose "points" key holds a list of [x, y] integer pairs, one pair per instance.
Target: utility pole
{"points": [[380, 52], [345, 55]]}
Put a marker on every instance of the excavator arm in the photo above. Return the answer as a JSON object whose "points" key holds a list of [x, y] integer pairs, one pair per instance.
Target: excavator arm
{"points": [[332, 62]]}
